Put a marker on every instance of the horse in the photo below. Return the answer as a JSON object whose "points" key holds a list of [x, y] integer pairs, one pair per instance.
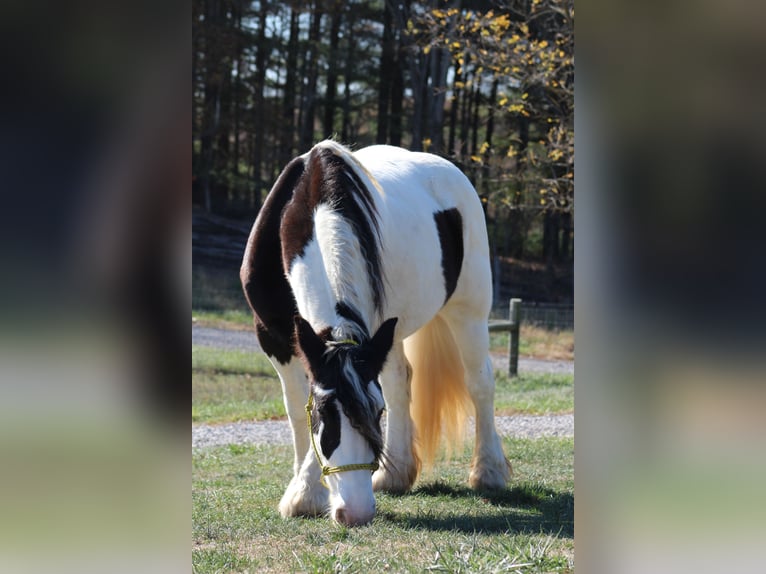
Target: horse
{"points": [[369, 280]]}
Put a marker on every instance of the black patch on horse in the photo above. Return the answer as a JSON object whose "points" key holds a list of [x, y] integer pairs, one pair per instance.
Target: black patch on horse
{"points": [[263, 280], [329, 180], [327, 412], [332, 378], [449, 224]]}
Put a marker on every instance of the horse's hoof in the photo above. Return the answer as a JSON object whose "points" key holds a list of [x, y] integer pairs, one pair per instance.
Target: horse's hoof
{"points": [[394, 482], [300, 499], [490, 476]]}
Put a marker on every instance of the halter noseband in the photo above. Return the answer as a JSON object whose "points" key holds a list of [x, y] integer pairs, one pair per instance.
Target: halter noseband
{"points": [[326, 469]]}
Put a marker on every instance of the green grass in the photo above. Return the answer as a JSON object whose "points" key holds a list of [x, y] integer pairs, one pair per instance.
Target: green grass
{"points": [[232, 386], [441, 526], [236, 319], [533, 393], [240, 385], [537, 342]]}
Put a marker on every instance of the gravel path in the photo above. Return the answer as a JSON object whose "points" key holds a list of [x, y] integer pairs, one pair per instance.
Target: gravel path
{"points": [[278, 432]]}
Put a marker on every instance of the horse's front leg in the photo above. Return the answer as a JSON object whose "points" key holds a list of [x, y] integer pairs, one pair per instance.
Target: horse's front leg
{"points": [[305, 495], [400, 465]]}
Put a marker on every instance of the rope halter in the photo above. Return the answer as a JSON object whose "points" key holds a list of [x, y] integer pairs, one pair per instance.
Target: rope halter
{"points": [[326, 469]]}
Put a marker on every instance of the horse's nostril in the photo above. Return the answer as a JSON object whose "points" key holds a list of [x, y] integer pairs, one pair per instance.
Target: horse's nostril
{"points": [[340, 516]]}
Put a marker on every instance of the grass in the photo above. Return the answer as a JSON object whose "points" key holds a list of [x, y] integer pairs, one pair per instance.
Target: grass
{"points": [[229, 385], [235, 319], [534, 394], [442, 526], [537, 342]]}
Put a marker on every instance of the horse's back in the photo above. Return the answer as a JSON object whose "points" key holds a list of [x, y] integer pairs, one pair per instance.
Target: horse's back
{"points": [[396, 168], [436, 231]]}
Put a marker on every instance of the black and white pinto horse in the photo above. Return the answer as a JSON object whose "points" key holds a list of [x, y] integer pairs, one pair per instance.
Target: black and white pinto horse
{"points": [[368, 276]]}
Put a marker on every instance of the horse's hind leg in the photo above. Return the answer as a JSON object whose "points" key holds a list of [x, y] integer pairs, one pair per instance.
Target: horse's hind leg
{"points": [[490, 468], [400, 465], [304, 496]]}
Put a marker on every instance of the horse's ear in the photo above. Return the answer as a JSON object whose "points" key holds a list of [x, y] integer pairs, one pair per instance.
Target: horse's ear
{"points": [[380, 345], [310, 344]]}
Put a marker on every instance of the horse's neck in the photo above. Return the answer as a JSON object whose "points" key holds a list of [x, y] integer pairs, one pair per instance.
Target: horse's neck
{"points": [[333, 277]]}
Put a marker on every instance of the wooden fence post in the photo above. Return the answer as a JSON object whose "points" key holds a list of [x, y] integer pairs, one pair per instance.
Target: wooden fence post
{"points": [[513, 339]]}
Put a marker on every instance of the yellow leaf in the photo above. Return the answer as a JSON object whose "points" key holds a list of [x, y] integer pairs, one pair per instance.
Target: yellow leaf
{"points": [[476, 158], [555, 154], [426, 49]]}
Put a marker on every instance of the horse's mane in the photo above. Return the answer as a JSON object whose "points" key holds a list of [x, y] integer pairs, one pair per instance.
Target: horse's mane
{"points": [[333, 179]]}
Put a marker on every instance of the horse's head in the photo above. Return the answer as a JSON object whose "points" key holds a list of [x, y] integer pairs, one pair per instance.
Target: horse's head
{"points": [[344, 410]]}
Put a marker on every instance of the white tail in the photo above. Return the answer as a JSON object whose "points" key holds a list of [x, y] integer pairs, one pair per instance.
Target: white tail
{"points": [[439, 399]]}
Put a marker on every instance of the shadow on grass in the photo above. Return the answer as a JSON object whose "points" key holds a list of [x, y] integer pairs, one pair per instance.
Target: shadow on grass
{"points": [[526, 508]]}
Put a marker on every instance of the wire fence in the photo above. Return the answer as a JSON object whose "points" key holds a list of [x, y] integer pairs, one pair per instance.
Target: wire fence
{"points": [[551, 316], [222, 292]]}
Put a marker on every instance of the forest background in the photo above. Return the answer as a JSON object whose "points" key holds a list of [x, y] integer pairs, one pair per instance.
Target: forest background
{"points": [[486, 84]]}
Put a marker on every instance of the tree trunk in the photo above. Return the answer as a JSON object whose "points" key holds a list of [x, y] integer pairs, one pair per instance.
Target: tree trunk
{"points": [[258, 103], [396, 120], [236, 96], [287, 144], [312, 73], [437, 95], [419, 85], [386, 73], [397, 101], [454, 105], [491, 117], [328, 127], [348, 80], [465, 114], [475, 121], [212, 101], [566, 231], [517, 224]]}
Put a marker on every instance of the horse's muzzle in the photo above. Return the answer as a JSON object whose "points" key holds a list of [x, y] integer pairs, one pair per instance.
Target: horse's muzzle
{"points": [[343, 515]]}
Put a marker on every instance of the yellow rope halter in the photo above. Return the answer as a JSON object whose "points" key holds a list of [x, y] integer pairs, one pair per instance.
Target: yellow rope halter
{"points": [[326, 469]]}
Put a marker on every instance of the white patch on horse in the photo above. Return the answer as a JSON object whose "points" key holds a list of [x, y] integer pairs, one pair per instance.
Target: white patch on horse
{"points": [[346, 272], [319, 392], [309, 281], [356, 384]]}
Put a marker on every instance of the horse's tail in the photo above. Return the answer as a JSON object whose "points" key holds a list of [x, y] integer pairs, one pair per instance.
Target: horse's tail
{"points": [[439, 399]]}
